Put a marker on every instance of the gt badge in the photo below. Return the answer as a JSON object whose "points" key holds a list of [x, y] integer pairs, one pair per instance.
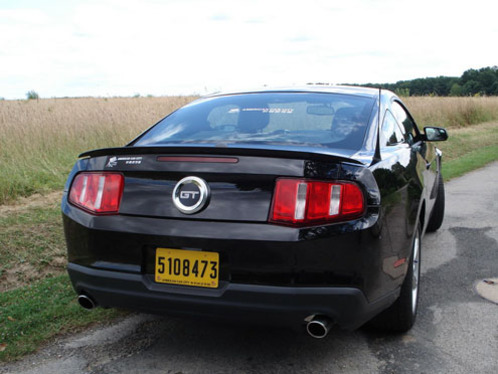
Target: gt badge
{"points": [[191, 195]]}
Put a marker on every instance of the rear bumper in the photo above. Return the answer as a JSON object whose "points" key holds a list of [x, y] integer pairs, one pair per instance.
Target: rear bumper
{"points": [[346, 306]]}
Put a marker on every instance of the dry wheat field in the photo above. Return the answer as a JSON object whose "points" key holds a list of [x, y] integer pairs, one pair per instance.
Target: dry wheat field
{"points": [[41, 139]]}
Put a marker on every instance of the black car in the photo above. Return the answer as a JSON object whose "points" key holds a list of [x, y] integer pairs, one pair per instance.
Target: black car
{"points": [[293, 206]]}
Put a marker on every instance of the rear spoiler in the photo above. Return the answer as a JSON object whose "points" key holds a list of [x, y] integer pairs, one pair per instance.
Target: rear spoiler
{"points": [[306, 154]]}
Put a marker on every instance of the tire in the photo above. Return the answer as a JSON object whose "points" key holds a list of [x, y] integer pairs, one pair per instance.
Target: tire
{"points": [[437, 214], [401, 315]]}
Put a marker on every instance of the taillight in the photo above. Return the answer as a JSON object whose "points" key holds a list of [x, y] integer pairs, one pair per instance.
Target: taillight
{"points": [[304, 202], [97, 193]]}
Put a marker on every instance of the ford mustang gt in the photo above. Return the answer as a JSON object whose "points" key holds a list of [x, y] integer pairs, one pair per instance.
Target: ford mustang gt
{"points": [[302, 206]]}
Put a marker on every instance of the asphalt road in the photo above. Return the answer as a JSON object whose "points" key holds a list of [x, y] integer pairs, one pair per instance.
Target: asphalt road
{"points": [[456, 330]]}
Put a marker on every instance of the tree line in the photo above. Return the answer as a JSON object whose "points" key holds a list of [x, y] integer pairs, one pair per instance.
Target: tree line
{"points": [[473, 82]]}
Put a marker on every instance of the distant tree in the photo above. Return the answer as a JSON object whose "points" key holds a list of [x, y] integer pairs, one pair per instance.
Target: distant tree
{"points": [[456, 90], [471, 88], [495, 88], [442, 85], [482, 81], [469, 75], [32, 95], [487, 77], [402, 91]]}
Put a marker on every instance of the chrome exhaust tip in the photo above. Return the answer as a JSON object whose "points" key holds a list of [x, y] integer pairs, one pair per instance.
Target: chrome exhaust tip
{"points": [[86, 302], [319, 326]]}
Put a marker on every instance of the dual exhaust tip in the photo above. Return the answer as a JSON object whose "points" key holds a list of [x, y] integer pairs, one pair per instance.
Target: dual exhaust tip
{"points": [[317, 326], [86, 301]]}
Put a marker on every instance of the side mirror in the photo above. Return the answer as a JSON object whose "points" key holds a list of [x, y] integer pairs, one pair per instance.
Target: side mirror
{"points": [[435, 134]]}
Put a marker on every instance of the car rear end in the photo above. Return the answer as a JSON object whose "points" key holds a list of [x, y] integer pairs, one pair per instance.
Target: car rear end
{"points": [[237, 230]]}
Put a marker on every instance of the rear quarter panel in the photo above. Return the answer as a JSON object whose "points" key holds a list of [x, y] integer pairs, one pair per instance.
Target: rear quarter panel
{"points": [[400, 178]]}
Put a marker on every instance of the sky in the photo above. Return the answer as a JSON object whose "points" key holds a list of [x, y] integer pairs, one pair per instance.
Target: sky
{"points": [[107, 48]]}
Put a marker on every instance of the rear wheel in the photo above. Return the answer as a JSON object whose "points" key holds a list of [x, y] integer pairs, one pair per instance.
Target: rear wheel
{"points": [[400, 316], [437, 214]]}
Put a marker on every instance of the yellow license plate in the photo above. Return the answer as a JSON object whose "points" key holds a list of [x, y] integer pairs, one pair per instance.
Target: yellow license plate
{"points": [[187, 268]]}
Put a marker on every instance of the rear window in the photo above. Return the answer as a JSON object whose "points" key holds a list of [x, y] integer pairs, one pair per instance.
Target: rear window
{"points": [[296, 119]]}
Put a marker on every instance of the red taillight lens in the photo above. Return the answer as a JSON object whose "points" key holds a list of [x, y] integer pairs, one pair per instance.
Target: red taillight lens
{"points": [[352, 201], [98, 193], [291, 201], [304, 202]]}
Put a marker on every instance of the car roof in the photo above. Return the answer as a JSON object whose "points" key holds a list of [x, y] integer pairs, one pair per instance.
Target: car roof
{"points": [[337, 89]]}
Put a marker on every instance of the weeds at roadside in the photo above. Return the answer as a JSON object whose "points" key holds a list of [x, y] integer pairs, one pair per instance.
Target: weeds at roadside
{"points": [[32, 245], [468, 139], [34, 314], [471, 161]]}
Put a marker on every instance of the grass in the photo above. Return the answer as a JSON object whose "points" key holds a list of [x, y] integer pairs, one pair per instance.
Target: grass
{"points": [[32, 243], [37, 301], [32, 315], [41, 139], [39, 144], [452, 112], [469, 148], [471, 161]]}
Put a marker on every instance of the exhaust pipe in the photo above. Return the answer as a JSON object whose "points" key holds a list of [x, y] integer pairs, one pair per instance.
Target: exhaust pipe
{"points": [[86, 302], [319, 326]]}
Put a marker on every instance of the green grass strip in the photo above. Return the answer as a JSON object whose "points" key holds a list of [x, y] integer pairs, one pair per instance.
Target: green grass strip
{"points": [[470, 161], [32, 315]]}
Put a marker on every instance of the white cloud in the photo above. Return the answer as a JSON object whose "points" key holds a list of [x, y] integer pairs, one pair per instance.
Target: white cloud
{"points": [[111, 47]]}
